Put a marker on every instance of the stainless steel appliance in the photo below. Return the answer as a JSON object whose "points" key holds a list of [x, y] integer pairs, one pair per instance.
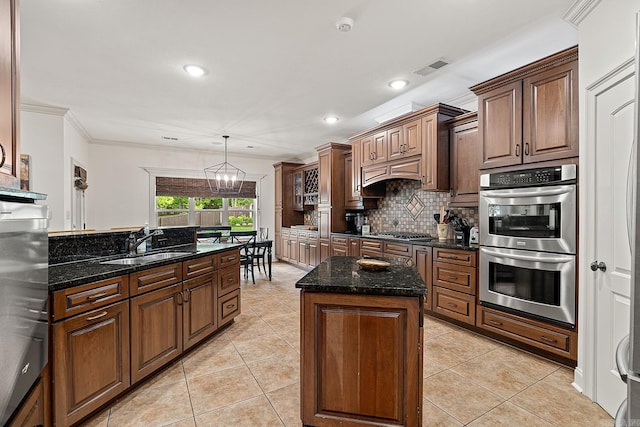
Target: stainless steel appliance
{"points": [[23, 300], [354, 222], [628, 351], [528, 242], [401, 235]]}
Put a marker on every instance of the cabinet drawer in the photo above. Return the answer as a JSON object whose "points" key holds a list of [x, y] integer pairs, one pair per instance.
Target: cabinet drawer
{"points": [[72, 301], [454, 304], [340, 241], [401, 249], [454, 256], [538, 334], [155, 278], [229, 258], [371, 245], [312, 235], [455, 277], [199, 266], [228, 307], [228, 279], [302, 235]]}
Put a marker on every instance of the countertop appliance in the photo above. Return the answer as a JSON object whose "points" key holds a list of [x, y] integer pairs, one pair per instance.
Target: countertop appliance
{"points": [[354, 222], [528, 242], [628, 350], [24, 259]]}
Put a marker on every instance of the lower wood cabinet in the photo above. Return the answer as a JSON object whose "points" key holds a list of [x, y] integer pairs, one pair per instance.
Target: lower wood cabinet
{"points": [[456, 305], [228, 307], [91, 361], [199, 310], [34, 409], [422, 256], [361, 360]]}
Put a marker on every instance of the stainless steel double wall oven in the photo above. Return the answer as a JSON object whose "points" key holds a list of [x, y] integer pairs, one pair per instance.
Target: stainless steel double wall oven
{"points": [[528, 242]]}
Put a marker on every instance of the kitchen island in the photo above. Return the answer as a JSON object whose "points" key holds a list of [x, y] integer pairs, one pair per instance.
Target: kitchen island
{"points": [[361, 344]]}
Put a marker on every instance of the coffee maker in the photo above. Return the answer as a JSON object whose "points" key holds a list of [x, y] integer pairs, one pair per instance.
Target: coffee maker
{"points": [[354, 222]]}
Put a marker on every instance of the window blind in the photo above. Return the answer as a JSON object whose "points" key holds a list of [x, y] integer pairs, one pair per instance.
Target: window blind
{"points": [[196, 187]]}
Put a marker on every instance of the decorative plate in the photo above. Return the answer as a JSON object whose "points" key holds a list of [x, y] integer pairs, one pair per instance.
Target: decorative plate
{"points": [[373, 264]]}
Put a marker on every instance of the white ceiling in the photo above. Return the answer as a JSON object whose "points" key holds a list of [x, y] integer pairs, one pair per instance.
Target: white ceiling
{"points": [[275, 67]]}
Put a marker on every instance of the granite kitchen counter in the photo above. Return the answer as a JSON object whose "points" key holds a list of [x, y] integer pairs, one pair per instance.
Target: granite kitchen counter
{"points": [[69, 274], [341, 274], [434, 242]]}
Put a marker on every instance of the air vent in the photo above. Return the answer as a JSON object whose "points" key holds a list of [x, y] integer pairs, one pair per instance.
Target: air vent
{"points": [[170, 138], [435, 65]]}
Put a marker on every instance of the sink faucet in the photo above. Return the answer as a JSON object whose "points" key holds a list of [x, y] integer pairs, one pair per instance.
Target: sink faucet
{"points": [[132, 242]]}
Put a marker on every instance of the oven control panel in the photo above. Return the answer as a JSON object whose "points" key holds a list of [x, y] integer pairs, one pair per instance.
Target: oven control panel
{"points": [[529, 177]]}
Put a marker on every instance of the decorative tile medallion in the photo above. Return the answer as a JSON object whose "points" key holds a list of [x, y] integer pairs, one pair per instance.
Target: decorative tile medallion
{"points": [[415, 206]]}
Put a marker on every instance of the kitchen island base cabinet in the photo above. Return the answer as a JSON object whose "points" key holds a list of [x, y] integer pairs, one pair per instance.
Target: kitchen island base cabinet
{"points": [[361, 360], [92, 361]]}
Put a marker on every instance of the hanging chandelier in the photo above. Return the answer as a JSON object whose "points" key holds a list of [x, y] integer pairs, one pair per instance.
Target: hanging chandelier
{"points": [[224, 177]]}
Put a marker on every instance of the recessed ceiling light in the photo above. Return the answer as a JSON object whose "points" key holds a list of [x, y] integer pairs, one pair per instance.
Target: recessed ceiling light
{"points": [[344, 24], [398, 84], [331, 119], [195, 70]]}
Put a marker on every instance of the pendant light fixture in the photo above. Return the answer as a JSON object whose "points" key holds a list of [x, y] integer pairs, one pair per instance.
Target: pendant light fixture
{"points": [[224, 178]]}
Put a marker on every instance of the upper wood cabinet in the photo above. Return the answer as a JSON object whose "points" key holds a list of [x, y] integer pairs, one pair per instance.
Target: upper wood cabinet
{"points": [[9, 93], [530, 114], [374, 149], [331, 188], [466, 156], [285, 213]]}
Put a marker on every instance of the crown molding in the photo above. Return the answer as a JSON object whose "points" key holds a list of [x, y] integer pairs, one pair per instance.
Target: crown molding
{"points": [[579, 10], [466, 98], [75, 123], [44, 109], [189, 173]]}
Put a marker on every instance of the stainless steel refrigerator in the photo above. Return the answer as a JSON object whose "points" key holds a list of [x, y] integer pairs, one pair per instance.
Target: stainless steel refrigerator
{"points": [[24, 285], [628, 351]]}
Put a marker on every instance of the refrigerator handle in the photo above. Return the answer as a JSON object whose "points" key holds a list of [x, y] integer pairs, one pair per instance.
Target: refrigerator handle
{"points": [[622, 358], [631, 195]]}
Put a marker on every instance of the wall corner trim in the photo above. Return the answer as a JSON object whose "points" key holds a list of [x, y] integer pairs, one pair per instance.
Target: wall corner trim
{"points": [[579, 10]]}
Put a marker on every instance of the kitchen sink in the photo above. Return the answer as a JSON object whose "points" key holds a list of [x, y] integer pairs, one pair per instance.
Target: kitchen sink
{"points": [[144, 259]]}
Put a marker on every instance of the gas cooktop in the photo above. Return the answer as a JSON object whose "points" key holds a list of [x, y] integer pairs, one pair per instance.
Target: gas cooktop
{"points": [[401, 235]]}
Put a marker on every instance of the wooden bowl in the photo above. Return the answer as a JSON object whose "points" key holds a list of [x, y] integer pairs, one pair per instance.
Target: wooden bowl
{"points": [[373, 264]]}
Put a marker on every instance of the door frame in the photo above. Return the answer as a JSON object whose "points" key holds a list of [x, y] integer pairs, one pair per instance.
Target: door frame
{"points": [[586, 369]]}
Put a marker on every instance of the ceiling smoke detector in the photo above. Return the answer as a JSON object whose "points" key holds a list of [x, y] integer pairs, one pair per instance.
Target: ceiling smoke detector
{"points": [[344, 24]]}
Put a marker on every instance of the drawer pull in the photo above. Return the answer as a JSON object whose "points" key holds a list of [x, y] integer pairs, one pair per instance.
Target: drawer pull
{"points": [[495, 323], [450, 304], [96, 296], [231, 306], [450, 257], [97, 316], [452, 277], [549, 340]]}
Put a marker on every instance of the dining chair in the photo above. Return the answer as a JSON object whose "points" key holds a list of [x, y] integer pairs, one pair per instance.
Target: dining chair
{"points": [[247, 251]]}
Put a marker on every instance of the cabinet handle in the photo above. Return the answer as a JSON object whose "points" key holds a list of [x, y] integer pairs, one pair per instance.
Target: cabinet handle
{"points": [[4, 156], [451, 257], [517, 150], [526, 149], [452, 277], [550, 340], [181, 300], [97, 316], [495, 323], [230, 306], [96, 296], [450, 304], [187, 295]]}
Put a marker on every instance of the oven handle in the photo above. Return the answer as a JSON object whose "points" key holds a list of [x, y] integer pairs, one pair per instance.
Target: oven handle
{"points": [[538, 258], [516, 193]]}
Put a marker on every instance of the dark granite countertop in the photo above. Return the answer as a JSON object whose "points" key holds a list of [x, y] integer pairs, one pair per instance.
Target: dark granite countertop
{"points": [[341, 274], [434, 242], [69, 274], [16, 194]]}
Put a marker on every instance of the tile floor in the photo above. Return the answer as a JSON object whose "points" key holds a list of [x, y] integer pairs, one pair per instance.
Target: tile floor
{"points": [[249, 375]]}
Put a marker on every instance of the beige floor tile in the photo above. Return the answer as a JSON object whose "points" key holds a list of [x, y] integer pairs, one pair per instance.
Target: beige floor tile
{"points": [[286, 402], [213, 391], [555, 400], [189, 422], [450, 349], [99, 420], [459, 397], [172, 374], [284, 323], [216, 355], [256, 412], [247, 329], [505, 371], [509, 415], [432, 416], [278, 371], [262, 346], [155, 406], [434, 327]]}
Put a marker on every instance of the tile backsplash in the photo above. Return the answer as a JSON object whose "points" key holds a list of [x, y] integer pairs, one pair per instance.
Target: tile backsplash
{"points": [[406, 207]]}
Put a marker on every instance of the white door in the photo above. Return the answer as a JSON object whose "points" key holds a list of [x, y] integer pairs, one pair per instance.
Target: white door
{"points": [[612, 107]]}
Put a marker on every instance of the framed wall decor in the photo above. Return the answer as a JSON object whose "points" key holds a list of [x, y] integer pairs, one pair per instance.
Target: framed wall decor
{"points": [[24, 172]]}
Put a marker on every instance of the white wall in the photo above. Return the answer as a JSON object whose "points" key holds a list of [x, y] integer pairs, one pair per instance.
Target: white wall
{"points": [[120, 187]]}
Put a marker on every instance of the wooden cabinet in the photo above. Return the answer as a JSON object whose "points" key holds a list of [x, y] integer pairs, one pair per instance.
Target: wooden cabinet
{"points": [[454, 284], [308, 250], [298, 190], [35, 407], [530, 114], [155, 278], [200, 317], [466, 156], [361, 360], [370, 247], [354, 246], [286, 214], [83, 298], [357, 197], [551, 338], [9, 93], [399, 251], [422, 258], [90, 361], [228, 305], [374, 149], [339, 246]]}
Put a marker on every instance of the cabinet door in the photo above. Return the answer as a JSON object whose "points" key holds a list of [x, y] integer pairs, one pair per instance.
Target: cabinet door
{"points": [[500, 125], [412, 138], [156, 330], [422, 256], [356, 168], [31, 412], [324, 176], [352, 199], [286, 247], [298, 191], [354, 247], [325, 249], [380, 147], [278, 180], [90, 361], [367, 152], [339, 250], [550, 114], [303, 253], [466, 152], [9, 93], [395, 144], [200, 308], [314, 252], [324, 223], [435, 156]]}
